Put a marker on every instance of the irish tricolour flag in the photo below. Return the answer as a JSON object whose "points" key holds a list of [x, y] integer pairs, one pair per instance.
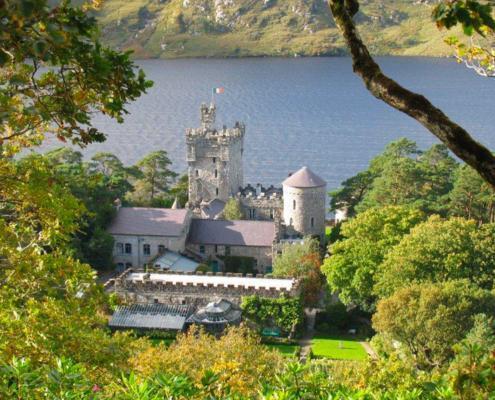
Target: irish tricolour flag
{"points": [[218, 90]]}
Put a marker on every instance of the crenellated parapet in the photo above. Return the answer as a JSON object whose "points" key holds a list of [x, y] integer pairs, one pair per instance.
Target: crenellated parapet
{"points": [[197, 289]]}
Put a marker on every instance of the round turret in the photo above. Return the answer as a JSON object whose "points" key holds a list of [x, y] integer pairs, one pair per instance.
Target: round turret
{"points": [[304, 203]]}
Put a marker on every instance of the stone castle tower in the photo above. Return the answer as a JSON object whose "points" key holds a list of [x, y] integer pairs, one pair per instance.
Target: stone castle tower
{"points": [[304, 203], [214, 159]]}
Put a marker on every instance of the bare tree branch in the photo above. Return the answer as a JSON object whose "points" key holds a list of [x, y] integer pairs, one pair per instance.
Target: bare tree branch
{"points": [[456, 138]]}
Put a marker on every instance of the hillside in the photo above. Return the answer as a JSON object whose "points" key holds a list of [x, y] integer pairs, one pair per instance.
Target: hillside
{"points": [[237, 28]]}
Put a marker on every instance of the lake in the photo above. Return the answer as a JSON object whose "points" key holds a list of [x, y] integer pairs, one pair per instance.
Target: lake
{"points": [[302, 111]]}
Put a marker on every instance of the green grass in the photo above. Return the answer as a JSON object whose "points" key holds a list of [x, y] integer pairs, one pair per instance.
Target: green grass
{"points": [[287, 350], [337, 348]]}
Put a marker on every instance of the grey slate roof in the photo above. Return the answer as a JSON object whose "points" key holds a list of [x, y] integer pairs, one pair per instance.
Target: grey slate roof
{"points": [[304, 178], [148, 221], [232, 233], [150, 316], [213, 208]]}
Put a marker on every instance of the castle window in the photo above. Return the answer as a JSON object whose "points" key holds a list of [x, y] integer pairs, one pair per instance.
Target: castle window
{"points": [[312, 222], [290, 222], [216, 248], [271, 213], [202, 249], [293, 204], [214, 160], [197, 173], [216, 174], [128, 248], [161, 249], [216, 191], [120, 248], [227, 250], [146, 249]]}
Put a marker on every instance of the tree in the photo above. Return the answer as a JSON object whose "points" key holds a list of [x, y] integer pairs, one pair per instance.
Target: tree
{"points": [[180, 190], [155, 180], [352, 192], [401, 175], [236, 358], [472, 371], [471, 197], [232, 210], [476, 18], [55, 74], [428, 319], [302, 261], [354, 261], [456, 138], [439, 250]]}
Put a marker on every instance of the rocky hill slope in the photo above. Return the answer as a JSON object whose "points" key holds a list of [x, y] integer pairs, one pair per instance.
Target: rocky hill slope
{"points": [[237, 28]]}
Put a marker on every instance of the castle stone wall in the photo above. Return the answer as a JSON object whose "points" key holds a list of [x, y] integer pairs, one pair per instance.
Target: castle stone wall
{"points": [[214, 159], [151, 291], [308, 216]]}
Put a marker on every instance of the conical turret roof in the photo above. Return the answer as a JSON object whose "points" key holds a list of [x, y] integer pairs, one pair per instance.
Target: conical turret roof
{"points": [[304, 178]]}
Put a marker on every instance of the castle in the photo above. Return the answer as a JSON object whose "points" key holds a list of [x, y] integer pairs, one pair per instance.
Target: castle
{"points": [[216, 174], [272, 215]]}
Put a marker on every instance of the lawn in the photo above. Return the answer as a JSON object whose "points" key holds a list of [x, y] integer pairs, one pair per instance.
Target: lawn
{"points": [[287, 350], [338, 348]]}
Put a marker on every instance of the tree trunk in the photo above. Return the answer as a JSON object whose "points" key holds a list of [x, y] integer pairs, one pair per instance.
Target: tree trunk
{"points": [[456, 138]]}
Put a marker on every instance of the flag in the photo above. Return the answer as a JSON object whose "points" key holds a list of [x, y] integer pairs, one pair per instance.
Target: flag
{"points": [[218, 90]]}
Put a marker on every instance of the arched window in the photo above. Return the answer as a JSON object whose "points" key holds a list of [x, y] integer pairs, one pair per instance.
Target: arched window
{"points": [[312, 222], [293, 204]]}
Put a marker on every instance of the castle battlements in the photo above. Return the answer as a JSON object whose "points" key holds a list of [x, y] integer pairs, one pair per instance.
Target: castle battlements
{"points": [[188, 288]]}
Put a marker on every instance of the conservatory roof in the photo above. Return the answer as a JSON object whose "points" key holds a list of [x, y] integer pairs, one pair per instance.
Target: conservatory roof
{"points": [[151, 316]]}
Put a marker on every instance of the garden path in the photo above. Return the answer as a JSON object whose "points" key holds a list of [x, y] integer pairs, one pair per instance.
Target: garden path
{"points": [[309, 331]]}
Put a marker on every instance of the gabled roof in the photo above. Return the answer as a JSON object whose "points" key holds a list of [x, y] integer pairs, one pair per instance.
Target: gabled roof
{"points": [[304, 178], [148, 221], [232, 233]]}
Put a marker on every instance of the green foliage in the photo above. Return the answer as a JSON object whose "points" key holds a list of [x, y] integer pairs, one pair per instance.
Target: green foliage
{"points": [[334, 317], [240, 264], [301, 261], [284, 313], [153, 184], [474, 16], [353, 265], [203, 268], [440, 250], [428, 319], [232, 210], [471, 197], [83, 76]]}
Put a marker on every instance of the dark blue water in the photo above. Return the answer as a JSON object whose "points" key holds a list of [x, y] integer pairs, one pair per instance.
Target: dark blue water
{"points": [[312, 112]]}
